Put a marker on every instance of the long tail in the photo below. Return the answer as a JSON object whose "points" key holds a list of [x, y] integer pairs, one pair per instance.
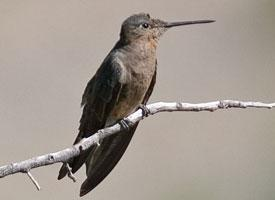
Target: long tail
{"points": [[62, 172], [75, 163], [101, 162]]}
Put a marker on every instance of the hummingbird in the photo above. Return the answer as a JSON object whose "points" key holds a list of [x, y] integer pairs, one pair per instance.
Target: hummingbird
{"points": [[122, 84]]}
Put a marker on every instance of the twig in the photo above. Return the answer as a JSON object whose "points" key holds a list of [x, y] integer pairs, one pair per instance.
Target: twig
{"points": [[66, 154], [70, 174], [33, 180]]}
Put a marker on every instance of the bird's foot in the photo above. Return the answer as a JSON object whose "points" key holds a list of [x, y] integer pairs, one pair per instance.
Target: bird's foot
{"points": [[145, 111], [125, 124]]}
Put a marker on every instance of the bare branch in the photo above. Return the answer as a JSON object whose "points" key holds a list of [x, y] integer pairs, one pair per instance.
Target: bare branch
{"points": [[66, 154], [33, 180], [70, 174]]}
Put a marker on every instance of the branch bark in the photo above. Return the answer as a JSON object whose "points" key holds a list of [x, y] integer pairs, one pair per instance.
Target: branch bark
{"points": [[68, 153]]}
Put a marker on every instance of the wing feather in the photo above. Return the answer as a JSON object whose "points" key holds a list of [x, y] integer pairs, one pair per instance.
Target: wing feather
{"points": [[99, 98], [110, 152]]}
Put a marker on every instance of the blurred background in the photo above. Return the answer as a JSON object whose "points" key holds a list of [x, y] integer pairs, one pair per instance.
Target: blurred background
{"points": [[50, 49]]}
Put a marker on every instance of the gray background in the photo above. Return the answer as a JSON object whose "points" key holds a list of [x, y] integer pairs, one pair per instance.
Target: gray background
{"points": [[50, 49]]}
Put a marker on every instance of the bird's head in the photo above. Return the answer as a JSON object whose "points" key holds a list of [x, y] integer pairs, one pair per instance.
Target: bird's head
{"points": [[142, 26]]}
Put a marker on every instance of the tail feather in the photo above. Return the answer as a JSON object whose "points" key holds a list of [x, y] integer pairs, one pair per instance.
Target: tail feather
{"points": [[101, 160], [62, 172], [80, 160], [113, 148], [75, 164]]}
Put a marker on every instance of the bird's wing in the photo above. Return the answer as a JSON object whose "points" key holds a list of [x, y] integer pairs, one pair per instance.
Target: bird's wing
{"points": [[111, 149], [99, 98], [88, 91]]}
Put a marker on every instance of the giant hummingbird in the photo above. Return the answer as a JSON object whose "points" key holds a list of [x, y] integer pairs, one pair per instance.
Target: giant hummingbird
{"points": [[122, 84]]}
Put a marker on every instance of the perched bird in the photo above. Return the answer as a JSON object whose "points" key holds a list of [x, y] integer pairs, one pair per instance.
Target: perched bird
{"points": [[123, 83]]}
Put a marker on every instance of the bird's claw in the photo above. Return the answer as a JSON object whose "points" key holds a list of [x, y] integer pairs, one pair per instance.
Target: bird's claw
{"points": [[145, 111], [125, 124]]}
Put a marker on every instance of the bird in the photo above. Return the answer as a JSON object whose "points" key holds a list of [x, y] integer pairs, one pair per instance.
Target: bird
{"points": [[122, 84]]}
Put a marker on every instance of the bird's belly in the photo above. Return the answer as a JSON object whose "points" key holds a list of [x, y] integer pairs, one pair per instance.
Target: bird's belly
{"points": [[131, 96]]}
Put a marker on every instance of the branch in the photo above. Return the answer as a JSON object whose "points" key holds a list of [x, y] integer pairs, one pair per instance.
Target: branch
{"points": [[68, 153], [33, 180]]}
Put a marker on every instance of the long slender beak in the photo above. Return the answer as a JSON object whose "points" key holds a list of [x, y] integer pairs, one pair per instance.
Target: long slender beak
{"points": [[172, 24]]}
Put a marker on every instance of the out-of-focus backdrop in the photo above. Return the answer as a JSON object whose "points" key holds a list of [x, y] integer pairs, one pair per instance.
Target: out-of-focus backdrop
{"points": [[50, 49]]}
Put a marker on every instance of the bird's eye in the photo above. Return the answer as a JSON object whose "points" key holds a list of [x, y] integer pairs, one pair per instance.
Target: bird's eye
{"points": [[145, 25]]}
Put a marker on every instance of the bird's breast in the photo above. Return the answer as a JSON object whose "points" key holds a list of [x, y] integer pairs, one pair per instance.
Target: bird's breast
{"points": [[138, 78]]}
